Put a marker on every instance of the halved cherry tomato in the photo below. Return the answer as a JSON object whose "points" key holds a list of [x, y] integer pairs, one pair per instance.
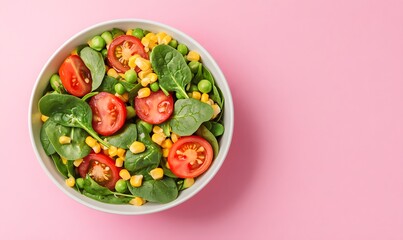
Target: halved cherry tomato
{"points": [[108, 113], [75, 76], [121, 49], [101, 168], [190, 156], [155, 108]]}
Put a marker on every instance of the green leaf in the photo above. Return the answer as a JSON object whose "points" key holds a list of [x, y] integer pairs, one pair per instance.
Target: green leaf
{"points": [[93, 187], [188, 115], [76, 149], [206, 134], [171, 68], [160, 191], [108, 85], [60, 166], [113, 199], [124, 137], [47, 146], [95, 63]]}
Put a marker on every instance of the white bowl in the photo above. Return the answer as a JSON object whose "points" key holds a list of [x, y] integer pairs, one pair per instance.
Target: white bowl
{"points": [[52, 66]]}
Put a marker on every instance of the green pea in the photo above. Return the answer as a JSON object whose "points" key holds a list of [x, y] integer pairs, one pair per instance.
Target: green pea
{"points": [[104, 52], [97, 43], [119, 88], [121, 186], [138, 33], [154, 86], [80, 182], [107, 36], [193, 88], [131, 76], [173, 43], [182, 49], [217, 129], [56, 83], [194, 66], [130, 112], [204, 86]]}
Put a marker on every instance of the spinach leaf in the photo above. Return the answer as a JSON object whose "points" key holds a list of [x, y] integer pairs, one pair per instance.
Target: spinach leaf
{"points": [[95, 63], [47, 146], [76, 149], [206, 134], [113, 199], [171, 68], [142, 163], [108, 85], [89, 95], [160, 191], [69, 111], [93, 187], [60, 166], [188, 115], [125, 137], [71, 170], [167, 171]]}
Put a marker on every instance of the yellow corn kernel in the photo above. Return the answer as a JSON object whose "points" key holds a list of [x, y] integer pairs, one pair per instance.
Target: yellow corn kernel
{"points": [[124, 97], [210, 102], [119, 162], [157, 129], [124, 174], [137, 201], [132, 61], [145, 81], [174, 137], [188, 182], [136, 180], [64, 160], [152, 37], [160, 36], [121, 152], [137, 147], [158, 138], [167, 165], [196, 95], [152, 45], [77, 162], [74, 52], [129, 32], [216, 110], [64, 140], [44, 118], [113, 151], [157, 173], [142, 63], [165, 152], [112, 73], [70, 181], [193, 56], [143, 74], [144, 92], [167, 143], [90, 141], [122, 75], [204, 97], [166, 39], [145, 41], [97, 148]]}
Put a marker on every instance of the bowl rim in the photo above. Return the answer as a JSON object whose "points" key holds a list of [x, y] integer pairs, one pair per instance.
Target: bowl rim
{"points": [[228, 115]]}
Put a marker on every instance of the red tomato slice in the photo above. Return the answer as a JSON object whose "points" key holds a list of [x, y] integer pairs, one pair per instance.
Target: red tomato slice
{"points": [[101, 168], [75, 76], [121, 49], [108, 113], [155, 108], [190, 156]]}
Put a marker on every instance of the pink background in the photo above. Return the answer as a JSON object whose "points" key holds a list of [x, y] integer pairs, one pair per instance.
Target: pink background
{"points": [[317, 149]]}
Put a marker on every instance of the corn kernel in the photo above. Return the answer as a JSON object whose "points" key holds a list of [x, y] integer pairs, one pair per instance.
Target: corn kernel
{"points": [[136, 180], [193, 56], [90, 141], [44, 118], [143, 74], [188, 182], [167, 165], [70, 181], [152, 37], [157, 173], [137, 147], [64, 140], [216, 110], [145, 81], [157, 129], [122, 75], [144, 92], [165, 152], [160, 36], [97, 148], [119, 162], [145, 41], [196, 95], [142, 63], [152, 76], [124, 97], [210, 102], [64, 160], [112, 73], [167, 143], [113, 151], [166, 39], [124, 174], [129, 32], [121, 152], [137, 201], [104, 147], [158, 138], [77, 162], [204, 97], [174, 137]]}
